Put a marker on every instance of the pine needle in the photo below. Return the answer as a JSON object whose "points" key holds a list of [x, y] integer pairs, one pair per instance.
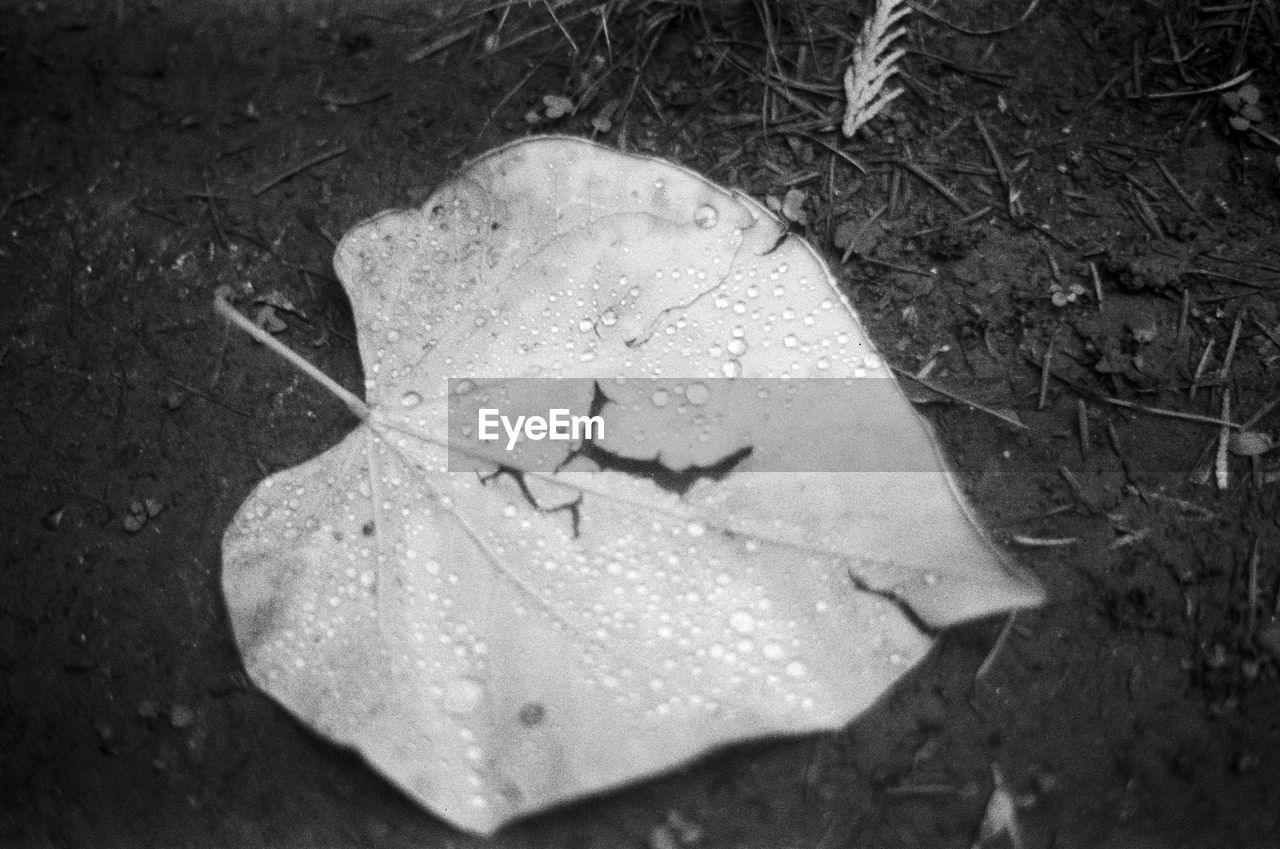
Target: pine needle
{"points": [[873, 64]]}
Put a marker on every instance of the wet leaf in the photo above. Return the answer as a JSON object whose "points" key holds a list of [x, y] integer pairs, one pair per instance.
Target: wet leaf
{"points": [[500, 632]]}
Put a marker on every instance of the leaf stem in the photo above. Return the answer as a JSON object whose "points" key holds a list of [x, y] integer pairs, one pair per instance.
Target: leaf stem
{"points": [[223, 306]]}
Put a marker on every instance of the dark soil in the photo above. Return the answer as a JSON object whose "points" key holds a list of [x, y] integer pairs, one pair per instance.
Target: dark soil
{"points": [[1141, 707]]}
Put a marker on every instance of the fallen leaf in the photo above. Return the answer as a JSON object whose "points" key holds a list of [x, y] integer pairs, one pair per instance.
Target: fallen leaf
{"points": [[859, 235], [793, 207], [498, 632], [137, 516], [557, 106]]}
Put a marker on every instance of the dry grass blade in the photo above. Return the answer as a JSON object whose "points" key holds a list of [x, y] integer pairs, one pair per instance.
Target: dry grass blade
{"points": [[1026, 13]]}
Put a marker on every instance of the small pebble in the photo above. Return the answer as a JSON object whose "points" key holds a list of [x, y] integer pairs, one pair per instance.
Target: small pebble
{"points": [[181, 716]]}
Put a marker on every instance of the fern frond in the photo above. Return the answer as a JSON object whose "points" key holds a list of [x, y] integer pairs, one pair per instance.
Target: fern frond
{"points": [[873, 64]]}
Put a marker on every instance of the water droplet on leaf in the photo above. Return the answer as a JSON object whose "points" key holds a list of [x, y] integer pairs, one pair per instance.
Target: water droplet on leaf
{"points": [[462, 695]]}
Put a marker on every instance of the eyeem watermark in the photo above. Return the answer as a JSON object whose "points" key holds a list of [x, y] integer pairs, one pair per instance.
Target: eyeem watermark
{"points": [[695, 427], [557, 425]]}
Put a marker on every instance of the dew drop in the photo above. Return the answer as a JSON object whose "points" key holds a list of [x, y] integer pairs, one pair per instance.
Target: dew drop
{"points": [[609, 318], [796, 669], [732, 368], [697, 393], [737, 347], [706, 216], [790, 340], [410, 399], [462, 695], [695, 529], [660, 398], [742, 621]]}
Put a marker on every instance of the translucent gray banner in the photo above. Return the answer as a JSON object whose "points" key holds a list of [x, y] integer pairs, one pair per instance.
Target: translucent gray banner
{"points": [[686, 426]]}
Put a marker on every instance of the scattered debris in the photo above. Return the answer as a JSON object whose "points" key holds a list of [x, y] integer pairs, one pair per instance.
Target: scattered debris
{"points": [[1243, 107], [1001, 816], [859, 235], [1043, 542], [266, 318], [51, 520], [554, 106], [140, 512], [676, 833], [790, 207], [181, 716], [1063, 295]]}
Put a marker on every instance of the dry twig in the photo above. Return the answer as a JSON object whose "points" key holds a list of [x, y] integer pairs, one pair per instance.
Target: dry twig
{"points": [[295, 170]]}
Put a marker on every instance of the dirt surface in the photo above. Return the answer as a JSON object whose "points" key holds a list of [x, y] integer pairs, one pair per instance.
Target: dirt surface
{"points": [[150, 154]]}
